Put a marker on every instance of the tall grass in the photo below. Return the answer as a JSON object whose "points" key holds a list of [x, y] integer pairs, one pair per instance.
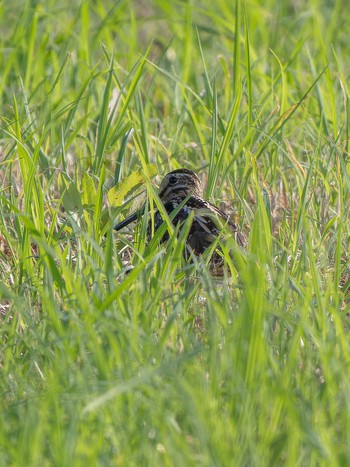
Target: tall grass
{"points": [[161, 364]]}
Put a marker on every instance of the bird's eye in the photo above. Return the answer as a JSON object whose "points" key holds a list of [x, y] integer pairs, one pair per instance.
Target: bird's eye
{"points": [[172, 180]]}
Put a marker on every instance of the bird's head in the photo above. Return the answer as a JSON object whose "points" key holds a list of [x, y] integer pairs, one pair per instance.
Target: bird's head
{"points": [[179, 184]]}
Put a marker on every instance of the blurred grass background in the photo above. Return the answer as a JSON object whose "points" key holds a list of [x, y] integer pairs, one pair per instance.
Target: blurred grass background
{"points": [[165, 366]]}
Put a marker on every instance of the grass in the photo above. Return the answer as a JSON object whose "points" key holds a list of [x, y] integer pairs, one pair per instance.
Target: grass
{"points": [[164, 365]]}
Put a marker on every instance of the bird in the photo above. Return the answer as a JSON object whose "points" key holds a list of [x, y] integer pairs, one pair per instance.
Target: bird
{"points": [[182, 189]]}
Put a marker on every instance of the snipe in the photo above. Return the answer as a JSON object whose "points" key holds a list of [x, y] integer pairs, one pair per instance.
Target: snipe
{"points": [[184, 186]]}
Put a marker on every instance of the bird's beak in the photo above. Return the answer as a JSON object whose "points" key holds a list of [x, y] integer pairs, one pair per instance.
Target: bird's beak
{"points": [[133, 217]]}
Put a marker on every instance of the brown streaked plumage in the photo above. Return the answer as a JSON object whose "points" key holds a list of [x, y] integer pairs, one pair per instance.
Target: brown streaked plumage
{"points": [[184, 185]]}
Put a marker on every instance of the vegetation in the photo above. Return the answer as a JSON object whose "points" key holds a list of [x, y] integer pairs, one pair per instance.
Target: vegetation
{"points": [[164, 364]]}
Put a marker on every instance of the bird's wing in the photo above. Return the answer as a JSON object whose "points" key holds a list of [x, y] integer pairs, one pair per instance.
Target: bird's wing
{"points": [[207, 215]]}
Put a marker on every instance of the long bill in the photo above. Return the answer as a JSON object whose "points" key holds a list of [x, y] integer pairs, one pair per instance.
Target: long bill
{"points": [[133, 217]]}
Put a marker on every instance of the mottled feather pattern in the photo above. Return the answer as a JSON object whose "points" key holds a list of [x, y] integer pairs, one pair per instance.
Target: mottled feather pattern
{"points": [[208, 222], [184, 186]]}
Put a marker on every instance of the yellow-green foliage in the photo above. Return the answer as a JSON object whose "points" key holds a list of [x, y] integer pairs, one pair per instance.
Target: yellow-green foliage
{"points": [[115, 351]]}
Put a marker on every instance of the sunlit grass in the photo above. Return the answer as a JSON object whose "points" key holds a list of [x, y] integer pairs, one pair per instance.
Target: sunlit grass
{"points": [[118, 351]]}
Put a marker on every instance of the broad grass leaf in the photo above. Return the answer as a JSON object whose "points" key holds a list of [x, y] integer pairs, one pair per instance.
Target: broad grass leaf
{"points": [[129, 184], [89, 193], [71, 197]]}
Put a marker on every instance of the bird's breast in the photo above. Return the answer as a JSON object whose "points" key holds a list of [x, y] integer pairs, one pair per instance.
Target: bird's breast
{"points": [[203, 230]]}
